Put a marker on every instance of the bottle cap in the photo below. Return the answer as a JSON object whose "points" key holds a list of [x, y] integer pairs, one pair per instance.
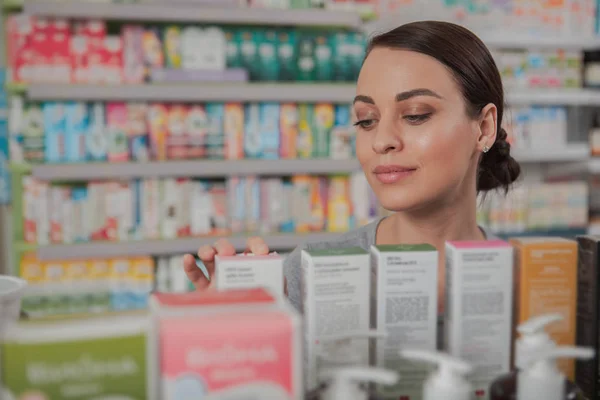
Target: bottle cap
{"points": [[345, 382], [448, 382], [340, 350], [540, 377], [534, 338]]}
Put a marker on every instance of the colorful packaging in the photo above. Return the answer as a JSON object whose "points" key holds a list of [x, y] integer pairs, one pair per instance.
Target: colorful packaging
{"points": [[99, 205], [306, 132], [335, 288], [55, 127], [302, 203], [134, 68], [286, 53], [197, 125], [250, 271], [288, 217], [153, 51], [306, 65], [252, 134], [35, 211], [545, 283], [342, 144], [77, 286], [55, 284], [234, 58], [97, 136], [172, 42], [271, 206], [324, 67], [158, 118], [288, 128], [77, 128], [99, 293], [151, 208], [59, 199], [236, 192], [116, 124], [339, 205], [252, 203], [142, 281], [233, 126], [169, 208], [194, 339], [267, 55], [31, 270], [404, 296], [269, 130], [120, 286], [219, 214], [36, 133], [318, 203], [177, 139], [479, 289], [81, 228], [201, 208], [248, 42], [324, 116], [75, 358], [215, 138], [137, 132]]}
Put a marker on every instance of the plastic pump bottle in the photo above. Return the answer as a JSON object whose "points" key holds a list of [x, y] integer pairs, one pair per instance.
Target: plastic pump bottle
{"points": [[339, 352], [540, 378], [448, 382], [347, 383], [533, 340]]}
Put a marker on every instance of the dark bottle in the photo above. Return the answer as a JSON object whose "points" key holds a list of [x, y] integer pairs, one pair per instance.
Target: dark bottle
{"points": [[505, 388]]}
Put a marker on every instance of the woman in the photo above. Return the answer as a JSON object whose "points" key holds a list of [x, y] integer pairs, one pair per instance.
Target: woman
{"points": [[428, 112]]}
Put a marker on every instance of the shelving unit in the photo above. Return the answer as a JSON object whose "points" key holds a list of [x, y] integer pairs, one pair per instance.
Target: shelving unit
{"points": [[166, 12], [277, 92], [573, 152], [279, 241], [205, 169]]}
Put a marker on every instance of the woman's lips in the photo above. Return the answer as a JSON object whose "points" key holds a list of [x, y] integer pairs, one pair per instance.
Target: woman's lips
{"points": [[392, 173]]}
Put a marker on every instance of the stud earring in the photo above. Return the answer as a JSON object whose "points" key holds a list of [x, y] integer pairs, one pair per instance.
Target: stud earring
{"points": [[486, 149]]}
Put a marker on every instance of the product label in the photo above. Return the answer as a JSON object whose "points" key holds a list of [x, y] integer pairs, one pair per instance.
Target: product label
{"points": [[406, 308], [226, 353], [76, 370], [336, 301]]}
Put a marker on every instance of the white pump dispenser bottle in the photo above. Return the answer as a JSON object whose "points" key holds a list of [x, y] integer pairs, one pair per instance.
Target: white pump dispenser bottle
{"points": [[540, 378], [534, 338], [448, 382], [346, 382]]}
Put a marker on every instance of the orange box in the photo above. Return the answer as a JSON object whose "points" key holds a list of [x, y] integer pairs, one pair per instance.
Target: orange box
{"points": [[546, 282]]}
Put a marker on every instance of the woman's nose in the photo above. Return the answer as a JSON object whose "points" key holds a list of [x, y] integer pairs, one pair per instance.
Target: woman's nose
{"points": [[387, 139]]}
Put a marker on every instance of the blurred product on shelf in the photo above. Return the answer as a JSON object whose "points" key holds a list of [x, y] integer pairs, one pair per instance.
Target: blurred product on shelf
{"points": [[43, 50], [537, 128], [539, 69], [77, 132], [173, 208], [507, 18], [76, 359], [538, 207], [86, 286], [225, 344]]}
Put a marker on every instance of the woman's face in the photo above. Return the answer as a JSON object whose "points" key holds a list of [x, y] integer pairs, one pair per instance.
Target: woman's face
{"points": [[414, 139]]}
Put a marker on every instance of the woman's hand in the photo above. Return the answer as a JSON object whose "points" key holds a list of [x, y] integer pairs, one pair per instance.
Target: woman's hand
{"points": [[207, 255]]}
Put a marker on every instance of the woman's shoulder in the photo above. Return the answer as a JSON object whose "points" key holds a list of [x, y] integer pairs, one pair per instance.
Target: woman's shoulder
{"points": [[362, 237]]}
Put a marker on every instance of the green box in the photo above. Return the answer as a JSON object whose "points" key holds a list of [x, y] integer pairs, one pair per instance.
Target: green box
{"points": [[77, 360]]}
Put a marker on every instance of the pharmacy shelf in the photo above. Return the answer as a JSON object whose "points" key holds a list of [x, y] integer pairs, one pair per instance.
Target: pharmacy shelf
{"points": [[571, 152], [277, 92], [186, 12], [564, 232], [593, 165], [567, 97], [525, 41], [198, 169], [280, 242], [500, 40]]}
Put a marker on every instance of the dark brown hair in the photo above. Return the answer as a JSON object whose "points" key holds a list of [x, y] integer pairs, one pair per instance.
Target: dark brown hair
{"points": [[475, 71]]}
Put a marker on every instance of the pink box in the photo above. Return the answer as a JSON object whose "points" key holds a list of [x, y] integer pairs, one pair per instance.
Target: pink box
{"points": [[225, 342]]}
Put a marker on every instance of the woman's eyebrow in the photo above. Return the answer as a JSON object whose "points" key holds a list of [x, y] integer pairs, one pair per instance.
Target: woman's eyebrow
{"points": [[400, 96]]}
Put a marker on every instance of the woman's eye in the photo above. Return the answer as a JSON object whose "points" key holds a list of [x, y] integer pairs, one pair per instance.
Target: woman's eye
{"points": [[417, 119], [365, 123]]}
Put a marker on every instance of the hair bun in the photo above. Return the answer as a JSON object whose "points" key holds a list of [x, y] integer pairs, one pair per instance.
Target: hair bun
{"points": [[497, 168]]}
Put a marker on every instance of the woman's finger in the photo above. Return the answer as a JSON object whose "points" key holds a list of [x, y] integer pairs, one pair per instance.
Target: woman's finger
{"points": [[257, 246], [194, 274]]}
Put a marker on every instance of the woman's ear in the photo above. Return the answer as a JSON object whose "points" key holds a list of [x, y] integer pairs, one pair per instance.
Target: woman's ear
{"points": [[487, 127]]}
